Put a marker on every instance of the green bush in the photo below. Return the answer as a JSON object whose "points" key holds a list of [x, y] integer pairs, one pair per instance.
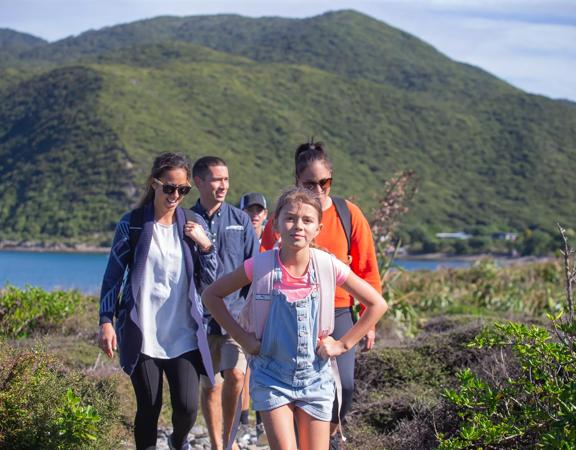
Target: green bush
{"points": [[43, 405], [24, 311], [532, 404], [77, 423]]}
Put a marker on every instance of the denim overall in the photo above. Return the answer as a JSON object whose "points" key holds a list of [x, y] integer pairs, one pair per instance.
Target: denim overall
{"points": [[287, 369]]}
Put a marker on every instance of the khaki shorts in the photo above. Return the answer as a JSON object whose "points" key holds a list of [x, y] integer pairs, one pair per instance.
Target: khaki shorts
{"points": [[226, 354]]}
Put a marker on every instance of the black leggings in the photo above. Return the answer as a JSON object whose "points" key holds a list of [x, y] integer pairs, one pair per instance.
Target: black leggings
{"points": [[342, 323], [182, 373]]}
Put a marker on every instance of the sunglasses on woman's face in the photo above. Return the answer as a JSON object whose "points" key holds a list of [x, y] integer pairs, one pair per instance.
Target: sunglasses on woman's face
{"points": [[169, 189], [324, 184]]}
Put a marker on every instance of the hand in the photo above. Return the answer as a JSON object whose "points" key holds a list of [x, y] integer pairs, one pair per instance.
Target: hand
{"points": [[367, 343], [195, 232], [251, 344], [107, 339], [329, 347]]}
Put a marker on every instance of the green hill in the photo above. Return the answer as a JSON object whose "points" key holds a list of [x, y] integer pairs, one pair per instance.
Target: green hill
{"points": [[81, 120], [346, 43], [13, 43]]}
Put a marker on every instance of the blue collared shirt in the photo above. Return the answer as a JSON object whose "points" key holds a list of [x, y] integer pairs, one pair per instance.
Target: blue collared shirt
{"points": [[232, 233]]}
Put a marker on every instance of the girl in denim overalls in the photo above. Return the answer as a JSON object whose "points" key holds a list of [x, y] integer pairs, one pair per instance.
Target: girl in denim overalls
{"points": [[291, 378]]}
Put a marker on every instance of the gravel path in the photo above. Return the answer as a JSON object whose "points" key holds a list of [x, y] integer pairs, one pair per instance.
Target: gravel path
{"points": [[245, 438]]}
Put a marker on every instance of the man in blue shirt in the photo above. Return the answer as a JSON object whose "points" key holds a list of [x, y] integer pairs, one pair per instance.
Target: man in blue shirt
{"points": [[233, 235]]}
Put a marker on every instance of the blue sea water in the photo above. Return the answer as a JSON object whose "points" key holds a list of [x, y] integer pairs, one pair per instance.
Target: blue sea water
{"points": [[51, 270], [84, 271]]}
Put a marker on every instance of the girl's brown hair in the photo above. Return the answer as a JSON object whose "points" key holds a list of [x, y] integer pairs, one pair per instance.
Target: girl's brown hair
{"points": [[298, 195], [162, 163]]}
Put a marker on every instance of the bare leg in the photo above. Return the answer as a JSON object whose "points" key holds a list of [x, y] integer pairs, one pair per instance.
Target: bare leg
{"points": [[211, 399], [232, 386], [313, 434], [279, 426], [246, 391]]}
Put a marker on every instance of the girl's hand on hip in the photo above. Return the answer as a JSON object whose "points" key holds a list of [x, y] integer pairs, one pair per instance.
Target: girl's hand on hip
{"points": [[107, 339], [195, 232], [368, 341], [251, 344], [329, 347]]}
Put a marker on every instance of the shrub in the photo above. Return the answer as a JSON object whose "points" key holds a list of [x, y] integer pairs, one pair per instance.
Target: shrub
{"points": [[77, 423], [526, 289], [397, 398], [536, 407], [530, 400], [45, 406], [24, 311]]}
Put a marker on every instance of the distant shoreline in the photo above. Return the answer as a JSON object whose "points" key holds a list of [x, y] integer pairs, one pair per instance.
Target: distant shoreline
{"points": [[506, 260], [54, 248], [85, 248]]}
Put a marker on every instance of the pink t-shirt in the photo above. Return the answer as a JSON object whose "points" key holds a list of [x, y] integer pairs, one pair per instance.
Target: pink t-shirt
{"points": [[294, 287]]}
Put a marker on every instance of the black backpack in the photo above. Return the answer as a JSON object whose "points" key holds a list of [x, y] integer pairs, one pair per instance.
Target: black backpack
{"points": [[345, 217]]}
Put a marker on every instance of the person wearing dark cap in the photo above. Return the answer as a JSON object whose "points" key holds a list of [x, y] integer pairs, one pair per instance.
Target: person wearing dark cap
{"points": [[254, 204]]}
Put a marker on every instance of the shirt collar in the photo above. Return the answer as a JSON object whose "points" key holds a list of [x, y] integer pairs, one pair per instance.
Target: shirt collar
{"points": [[200, 209]]}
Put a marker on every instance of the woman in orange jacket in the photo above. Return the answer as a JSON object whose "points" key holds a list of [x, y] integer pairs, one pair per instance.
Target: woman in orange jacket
{"points": [[313, 170]]}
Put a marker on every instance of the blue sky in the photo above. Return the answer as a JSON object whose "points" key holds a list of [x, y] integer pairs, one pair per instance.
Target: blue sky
{"points": [[529, 43]]}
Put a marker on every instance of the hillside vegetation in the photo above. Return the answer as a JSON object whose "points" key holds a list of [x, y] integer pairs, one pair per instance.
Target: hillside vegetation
{"points": [[82, 118], [48, 347]]}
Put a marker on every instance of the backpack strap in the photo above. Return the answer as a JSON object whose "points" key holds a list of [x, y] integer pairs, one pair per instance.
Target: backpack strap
{"points": [[262, 286], [257, 308], [190, 215], [136, 225], [345, 218], [134, 232], [326, 279]]}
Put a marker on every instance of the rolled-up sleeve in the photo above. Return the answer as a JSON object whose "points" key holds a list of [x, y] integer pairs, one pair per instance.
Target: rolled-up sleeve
{"points": [[115, 270]]}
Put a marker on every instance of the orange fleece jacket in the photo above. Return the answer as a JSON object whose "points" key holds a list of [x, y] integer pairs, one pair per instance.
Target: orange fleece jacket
{"points": [[333, 239]]}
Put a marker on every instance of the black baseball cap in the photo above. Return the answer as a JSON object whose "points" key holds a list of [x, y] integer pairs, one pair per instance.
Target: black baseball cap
{"points": [[252, 198]]}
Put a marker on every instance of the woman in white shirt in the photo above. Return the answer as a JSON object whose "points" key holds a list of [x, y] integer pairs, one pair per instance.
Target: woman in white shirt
{"points": [[168, 258]]}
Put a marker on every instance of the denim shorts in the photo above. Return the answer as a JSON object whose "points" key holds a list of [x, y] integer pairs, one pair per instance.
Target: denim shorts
{"points": [[268, 392]]}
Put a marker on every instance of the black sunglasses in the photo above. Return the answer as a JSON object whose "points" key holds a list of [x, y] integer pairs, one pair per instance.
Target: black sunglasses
{"points": [[324, 184], [169, 189]]}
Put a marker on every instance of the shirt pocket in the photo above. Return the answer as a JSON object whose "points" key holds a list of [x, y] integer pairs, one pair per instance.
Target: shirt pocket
{"points": [[234, 241]]}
